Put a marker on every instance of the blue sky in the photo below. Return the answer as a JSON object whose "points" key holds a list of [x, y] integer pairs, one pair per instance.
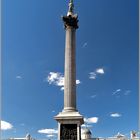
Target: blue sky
{"points": [[33, 66]]}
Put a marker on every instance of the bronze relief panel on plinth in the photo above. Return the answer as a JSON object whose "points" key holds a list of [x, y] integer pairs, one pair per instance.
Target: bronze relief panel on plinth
{"points": [[68, 132]]}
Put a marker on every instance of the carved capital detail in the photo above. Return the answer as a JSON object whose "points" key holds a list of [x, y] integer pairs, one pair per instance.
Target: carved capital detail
{"points": [[70, 21]]}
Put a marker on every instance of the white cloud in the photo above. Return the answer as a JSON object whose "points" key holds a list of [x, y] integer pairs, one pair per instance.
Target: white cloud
{"points": [[116, 91], [62, 88], [100, 71], [60, 81], [6, 125], [18, 77], [48, 131], [115, 115], [57, 79], [94, 74], [78, 82], [91, 120]]}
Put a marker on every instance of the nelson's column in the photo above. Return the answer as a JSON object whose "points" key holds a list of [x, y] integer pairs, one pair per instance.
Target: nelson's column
{"points": [[70, 120]]}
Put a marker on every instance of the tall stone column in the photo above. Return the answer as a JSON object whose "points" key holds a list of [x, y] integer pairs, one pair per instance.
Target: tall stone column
{"points": [[70, 23], [70, 120]]}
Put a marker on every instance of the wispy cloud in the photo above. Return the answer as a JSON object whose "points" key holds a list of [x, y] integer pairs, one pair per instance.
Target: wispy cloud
{"points": [[53, 111], [48, 131], [115, 115], [127, 92], [14, 130], [6, 125], [119, 92], [86, 125], [18, 77], [50, 136], [93, 96], [85, 45], [91, 120], [57, 79], [94, 74], [22, 124], [116, 91]]}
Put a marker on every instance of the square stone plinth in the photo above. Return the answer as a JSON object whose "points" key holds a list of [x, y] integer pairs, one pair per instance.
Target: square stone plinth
{"points": [[69, 125]]}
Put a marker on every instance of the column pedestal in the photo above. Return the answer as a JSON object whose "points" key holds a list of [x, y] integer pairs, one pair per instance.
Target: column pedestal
{"points": [[69, 125]]}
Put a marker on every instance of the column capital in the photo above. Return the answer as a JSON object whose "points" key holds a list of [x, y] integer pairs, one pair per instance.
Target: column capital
{"points": [[70, 21]]}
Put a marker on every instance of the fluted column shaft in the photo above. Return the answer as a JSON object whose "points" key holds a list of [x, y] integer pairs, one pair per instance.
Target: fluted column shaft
{"points": [[70, 70]]}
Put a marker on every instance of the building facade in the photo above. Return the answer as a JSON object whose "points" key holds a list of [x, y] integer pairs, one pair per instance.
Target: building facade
{"points": [[87, 135], [27, 137]]}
